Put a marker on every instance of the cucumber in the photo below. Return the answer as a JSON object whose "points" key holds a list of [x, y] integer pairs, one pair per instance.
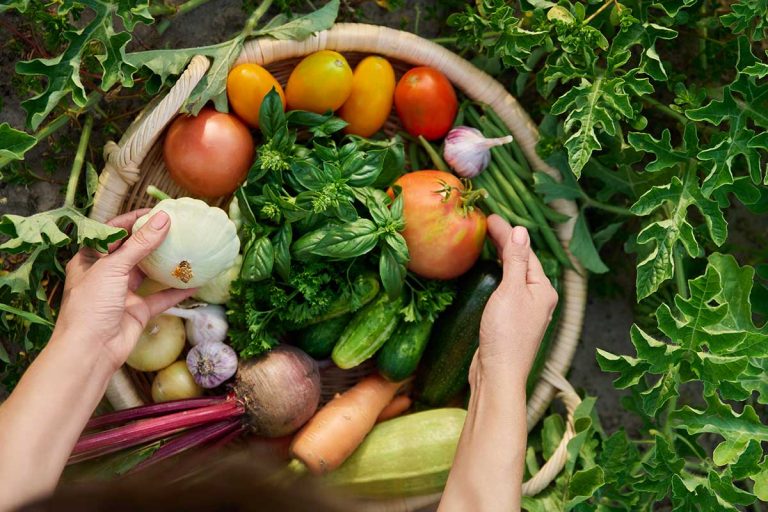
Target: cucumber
{"points": [[405, 456], [367, 287], [368, 330], [400, 355], [318, 340], [455, 337]]}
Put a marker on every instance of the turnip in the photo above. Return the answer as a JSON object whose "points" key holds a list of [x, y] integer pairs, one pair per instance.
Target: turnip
{"points": [[273, 396]]}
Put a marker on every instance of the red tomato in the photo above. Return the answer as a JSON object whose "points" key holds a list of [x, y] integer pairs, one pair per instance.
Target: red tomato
{"points": [[426, 103], [208, 155], [444, 238]]}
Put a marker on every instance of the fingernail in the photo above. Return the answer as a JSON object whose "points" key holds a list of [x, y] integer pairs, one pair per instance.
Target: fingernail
{"points": [[159, 220], [519, 235]]}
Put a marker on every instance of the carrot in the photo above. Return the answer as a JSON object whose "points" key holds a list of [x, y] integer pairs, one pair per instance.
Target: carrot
{"points": [[337, 429], [395, 408]]}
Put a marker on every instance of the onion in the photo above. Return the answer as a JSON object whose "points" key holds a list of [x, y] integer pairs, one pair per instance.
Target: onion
{"points": [[174, 383], [159, 345], [281, 390]]}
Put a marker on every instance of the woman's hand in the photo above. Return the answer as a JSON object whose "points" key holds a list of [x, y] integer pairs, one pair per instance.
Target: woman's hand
{"points": [[100, 306], [518, 312]]}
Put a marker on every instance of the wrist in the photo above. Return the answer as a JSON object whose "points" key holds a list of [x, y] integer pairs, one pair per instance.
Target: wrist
{"points": [[83, 352]]}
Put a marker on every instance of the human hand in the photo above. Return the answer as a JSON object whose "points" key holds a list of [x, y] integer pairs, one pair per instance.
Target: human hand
{"points": [[99, 306], [518, 312]]}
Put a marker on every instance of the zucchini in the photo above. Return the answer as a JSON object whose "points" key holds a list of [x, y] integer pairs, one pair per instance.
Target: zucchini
{"points": [[318, 340], [366, 288], [400, 355], [546, 341], [368, 330], [455, 337], [405, 456]]}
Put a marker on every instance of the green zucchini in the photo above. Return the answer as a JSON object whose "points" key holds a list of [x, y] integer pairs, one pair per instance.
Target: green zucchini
{"points": [[546, 341], [366, 288], [318, 340], [405, 456], [455, 338], [368, 330], [400, 355]]}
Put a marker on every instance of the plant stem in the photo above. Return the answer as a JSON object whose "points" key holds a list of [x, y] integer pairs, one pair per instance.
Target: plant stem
{"points": [[77, 164], [165, 9], [154, 192], [147, 411], [665, 110], [437, 160], [619, 210], [597, 12], [260, 11]]}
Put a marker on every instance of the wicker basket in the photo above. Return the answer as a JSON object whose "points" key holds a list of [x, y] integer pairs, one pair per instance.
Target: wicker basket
{"points": [[137, 162]]}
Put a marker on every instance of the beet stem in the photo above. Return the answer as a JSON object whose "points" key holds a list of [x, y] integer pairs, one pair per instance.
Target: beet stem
{"points": [[151, 429], [191, 439], [148, 411]]}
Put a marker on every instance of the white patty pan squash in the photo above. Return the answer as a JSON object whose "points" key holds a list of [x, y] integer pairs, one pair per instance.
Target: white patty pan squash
{"points": [[201, 244]]}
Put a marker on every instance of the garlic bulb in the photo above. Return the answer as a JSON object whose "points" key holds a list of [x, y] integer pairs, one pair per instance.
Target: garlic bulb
{"points": [[468, 152], [211, 363], [201, 244], [204, 324]]}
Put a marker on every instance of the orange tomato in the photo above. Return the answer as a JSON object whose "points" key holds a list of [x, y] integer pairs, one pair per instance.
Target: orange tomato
{"points": [[369, 103], [319, 83], [247, 84]]}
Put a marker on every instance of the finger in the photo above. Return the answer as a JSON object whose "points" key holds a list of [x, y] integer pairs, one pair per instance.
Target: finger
{"points": [[499, 231], [536, 273], [161, 301], [135, 278], [515, 252], [126, 222], [141, 243]]}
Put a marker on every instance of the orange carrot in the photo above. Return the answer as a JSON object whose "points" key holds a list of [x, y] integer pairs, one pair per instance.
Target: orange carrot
{"points": [[395, 408], [337, 429]]}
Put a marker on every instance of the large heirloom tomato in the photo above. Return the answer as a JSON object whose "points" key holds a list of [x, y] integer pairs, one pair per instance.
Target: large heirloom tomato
{"points": [[444, 232]]}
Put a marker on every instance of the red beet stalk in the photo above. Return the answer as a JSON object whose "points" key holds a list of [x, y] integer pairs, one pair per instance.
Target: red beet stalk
{"points": [[199, 436], [143, 431], [149, 411]]}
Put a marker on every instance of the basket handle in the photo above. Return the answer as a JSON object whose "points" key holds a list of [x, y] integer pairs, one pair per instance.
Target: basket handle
{"points": [[121, 171], [556, 462], [121, 161]]}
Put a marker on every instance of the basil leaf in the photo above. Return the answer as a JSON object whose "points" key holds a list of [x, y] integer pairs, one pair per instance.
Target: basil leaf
{"points": [[391, 272], [305, 245], [282, 247], [320, 125], [348, 241], [400, 249], [271, 115], [258, 259], [308, 175], [377, 203]]}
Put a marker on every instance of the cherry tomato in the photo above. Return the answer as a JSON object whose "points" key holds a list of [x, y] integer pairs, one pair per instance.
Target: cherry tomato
{"points": [[426, 103], [319, 83], [369, 104], [209, 155], [247, 84], [444, 234]]}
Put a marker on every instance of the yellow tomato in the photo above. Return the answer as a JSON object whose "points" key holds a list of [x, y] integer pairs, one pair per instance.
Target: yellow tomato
{"points": [[369, 104], [319, 83], [247, 84]]}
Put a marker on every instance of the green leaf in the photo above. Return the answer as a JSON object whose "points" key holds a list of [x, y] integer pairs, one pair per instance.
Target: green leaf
{"points": [[271, 114], [258, 259], [282, 245], [349, 240], [584, 483], [45, 229], [666, 155], [583, 248], [14, 143], [302, 27], [26, 315], [391, 271], [551, 189]]}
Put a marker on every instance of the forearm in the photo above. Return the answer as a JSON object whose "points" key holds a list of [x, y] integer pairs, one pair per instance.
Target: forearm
{"points": [[487, 471], [44, 416]]}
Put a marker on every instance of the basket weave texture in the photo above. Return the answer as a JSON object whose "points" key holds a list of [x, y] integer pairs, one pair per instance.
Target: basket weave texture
{"points": [[137, 162]]}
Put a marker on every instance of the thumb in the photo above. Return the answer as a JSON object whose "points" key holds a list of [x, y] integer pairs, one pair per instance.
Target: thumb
{"points": [[515, 253], [141, 243]]}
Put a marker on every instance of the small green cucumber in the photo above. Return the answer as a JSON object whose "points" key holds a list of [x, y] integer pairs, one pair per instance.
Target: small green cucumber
{"points": [[318, 340], [405, 456], [400, 355], [369, 329]]}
